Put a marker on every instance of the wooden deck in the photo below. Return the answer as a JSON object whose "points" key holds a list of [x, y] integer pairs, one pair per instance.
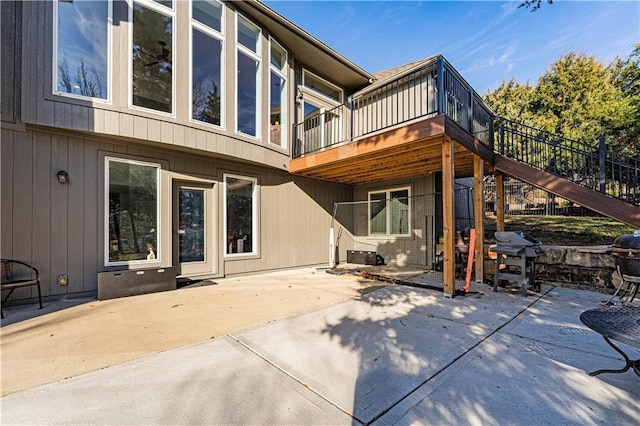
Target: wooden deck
{"points": [[405, 151]]}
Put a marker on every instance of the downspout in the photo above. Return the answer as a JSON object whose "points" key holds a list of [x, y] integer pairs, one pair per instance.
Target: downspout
{"points": [[332, 242]]}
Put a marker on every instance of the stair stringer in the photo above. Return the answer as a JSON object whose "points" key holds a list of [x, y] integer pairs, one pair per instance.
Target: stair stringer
{"points": [[594, 200]]}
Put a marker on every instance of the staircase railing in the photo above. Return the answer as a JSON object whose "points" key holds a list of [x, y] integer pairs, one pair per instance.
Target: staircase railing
{"points": [[592, 166]]}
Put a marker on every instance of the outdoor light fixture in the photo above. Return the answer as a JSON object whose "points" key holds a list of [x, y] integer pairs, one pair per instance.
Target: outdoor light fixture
{"points": [[63, 177]]}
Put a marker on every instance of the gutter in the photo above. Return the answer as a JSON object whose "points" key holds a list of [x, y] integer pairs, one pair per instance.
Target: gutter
{"points": [[266, 10]]}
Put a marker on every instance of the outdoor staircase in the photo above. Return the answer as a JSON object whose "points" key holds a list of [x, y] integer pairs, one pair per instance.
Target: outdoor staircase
{"points": [[594, 177]]}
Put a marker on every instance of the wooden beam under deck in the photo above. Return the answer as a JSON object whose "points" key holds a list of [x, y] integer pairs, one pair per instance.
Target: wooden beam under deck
{"points": [[448, 220], [478, 211]]}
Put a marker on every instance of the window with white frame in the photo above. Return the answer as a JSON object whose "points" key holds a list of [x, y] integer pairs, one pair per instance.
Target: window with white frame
{"points": [[132, 195], [82, 34], [241, 210], [152, 45], [390, 212], [207, 42], [278, 112], [321, 86], [248, 58]]}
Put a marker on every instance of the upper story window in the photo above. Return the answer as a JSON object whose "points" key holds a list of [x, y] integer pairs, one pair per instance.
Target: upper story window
{"points": [[152, 46], [278, 112], [390, 212], [321, 86], [82, 34], [206, 61], [247, 81]]}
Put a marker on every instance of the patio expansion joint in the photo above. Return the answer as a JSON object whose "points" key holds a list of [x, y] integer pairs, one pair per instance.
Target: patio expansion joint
{"points": [[305, 385], [462, 355]]}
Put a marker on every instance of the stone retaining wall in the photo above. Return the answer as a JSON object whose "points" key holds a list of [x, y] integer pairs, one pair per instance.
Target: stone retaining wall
{"points": [[585, 268]]}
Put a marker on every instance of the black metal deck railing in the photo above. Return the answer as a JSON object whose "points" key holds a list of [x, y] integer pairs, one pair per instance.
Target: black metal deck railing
{"points": [[435, 87], [416, 94], [590, 165]]}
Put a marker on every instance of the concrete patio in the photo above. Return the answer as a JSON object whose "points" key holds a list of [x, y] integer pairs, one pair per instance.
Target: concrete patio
{"points": [[306, 347]]}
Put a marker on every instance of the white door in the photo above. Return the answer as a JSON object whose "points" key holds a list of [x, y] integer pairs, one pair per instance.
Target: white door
{"points": [[194, 224]]}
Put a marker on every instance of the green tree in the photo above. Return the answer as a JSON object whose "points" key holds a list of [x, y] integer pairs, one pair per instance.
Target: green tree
{"points": [[512, 100], [577, 98], [624, 136]]}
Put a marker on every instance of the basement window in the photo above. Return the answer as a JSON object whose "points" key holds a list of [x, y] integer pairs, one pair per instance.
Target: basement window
{"points": [[389, 212]]}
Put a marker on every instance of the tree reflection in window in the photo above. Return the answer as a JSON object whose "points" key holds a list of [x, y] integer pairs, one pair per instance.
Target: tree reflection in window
{"points": [[206, 68], [240, 214], [133, 211], [191, 225], [152, 59], [82, 30]]}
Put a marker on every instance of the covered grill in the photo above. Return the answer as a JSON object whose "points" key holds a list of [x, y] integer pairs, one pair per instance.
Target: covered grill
{"points": [[626, 255], [516, 254]]}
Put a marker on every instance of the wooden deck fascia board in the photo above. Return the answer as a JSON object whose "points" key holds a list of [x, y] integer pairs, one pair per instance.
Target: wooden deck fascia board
{"points": [[419, 131]]}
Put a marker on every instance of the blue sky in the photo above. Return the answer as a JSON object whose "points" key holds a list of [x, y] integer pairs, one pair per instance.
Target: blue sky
{"points": [[486, 41]]}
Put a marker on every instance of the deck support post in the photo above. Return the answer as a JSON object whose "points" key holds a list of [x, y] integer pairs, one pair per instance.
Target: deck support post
{"points": [[448, 213], [478, 212], [499, 202]]}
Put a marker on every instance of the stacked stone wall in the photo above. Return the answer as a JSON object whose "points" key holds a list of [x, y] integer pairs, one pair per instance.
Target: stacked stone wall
{"points": [[585, 268]]}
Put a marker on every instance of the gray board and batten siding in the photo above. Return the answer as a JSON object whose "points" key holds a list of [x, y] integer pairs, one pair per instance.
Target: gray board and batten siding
{"points": [[60, 227]]}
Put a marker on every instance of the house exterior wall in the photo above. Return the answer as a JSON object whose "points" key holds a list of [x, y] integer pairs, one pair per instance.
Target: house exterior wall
{"points": [[60, 228], [397, 102], [414, 249], [117, 119]]}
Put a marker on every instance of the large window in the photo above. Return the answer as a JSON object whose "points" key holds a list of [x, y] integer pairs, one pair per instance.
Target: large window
{"points": [[247, 82], [278, 95], [206, 66], [152, 55], [132, 200], [240, 214], [389, 212], [82, 45]]}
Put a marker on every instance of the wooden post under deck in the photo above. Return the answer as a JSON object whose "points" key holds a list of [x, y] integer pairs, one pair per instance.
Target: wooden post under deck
{"points": [[478, 209], [448, 213], [499, 202]]}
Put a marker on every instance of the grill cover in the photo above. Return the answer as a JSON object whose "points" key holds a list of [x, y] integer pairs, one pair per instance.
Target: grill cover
{"points": [[521, 239], [629, 242], [626, 253]]}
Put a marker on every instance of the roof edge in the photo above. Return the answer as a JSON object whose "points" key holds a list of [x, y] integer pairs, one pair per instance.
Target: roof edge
{"points": [[258, 5]]}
